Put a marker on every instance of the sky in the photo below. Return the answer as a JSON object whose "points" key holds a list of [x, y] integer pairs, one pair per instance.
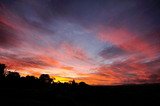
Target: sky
{"points": [[100, 42]]}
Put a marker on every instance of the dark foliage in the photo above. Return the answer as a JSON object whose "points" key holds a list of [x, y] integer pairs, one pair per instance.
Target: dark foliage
{"points": [[27, 91], [2, 67]]}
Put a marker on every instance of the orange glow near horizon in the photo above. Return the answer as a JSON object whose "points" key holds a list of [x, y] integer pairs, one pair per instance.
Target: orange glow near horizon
{"points": [[105, 45]]}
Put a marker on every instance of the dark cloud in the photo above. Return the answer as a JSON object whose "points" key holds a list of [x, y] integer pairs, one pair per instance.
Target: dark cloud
{"points": [[7, 37], [89, 12], [71, 36], [154, 69], [112, 52], [22, 60], [33, 61]]}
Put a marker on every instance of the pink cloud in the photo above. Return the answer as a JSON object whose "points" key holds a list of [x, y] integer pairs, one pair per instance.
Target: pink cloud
{"points": [[129, 41]]}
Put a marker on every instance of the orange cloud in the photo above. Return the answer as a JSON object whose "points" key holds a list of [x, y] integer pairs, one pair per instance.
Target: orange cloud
{"points": [[33, 50], [128, 41]]}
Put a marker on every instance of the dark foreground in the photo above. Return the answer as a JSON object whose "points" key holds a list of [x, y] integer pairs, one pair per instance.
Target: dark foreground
{"points": [[131, 95]]}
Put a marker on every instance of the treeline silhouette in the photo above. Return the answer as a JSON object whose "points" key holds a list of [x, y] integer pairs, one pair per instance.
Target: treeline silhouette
{"points": [[13, 79], [10, 79], [30, 90]]}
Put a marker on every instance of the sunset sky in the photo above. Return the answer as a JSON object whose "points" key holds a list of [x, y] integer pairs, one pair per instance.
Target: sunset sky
{"points": [[100, 42]]}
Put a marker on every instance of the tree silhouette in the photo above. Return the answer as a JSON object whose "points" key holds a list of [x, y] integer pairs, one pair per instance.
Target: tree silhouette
{"points": [[31, 78], [82, 84], [30, 90], [45, 78], [13, 76], [13, 79], [2, 67]]}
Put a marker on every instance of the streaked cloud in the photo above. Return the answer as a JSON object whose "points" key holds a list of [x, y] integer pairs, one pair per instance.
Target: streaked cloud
{"points": [[99, 42]]}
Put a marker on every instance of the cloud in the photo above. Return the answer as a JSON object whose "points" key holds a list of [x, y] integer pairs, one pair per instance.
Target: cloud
{"points": [[112, 52], [59, 37], [127, 41], [7, 37], [67, 68], [131, 71]]}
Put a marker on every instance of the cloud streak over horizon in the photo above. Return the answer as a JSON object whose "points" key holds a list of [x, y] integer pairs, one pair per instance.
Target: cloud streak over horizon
{"points": [[99, 42]]}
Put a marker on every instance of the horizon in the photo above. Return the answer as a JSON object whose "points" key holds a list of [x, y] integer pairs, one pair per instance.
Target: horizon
{"points": [[104, 42]]}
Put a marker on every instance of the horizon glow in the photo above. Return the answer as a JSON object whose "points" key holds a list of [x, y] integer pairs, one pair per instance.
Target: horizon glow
{"points": [[104, 42]]}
